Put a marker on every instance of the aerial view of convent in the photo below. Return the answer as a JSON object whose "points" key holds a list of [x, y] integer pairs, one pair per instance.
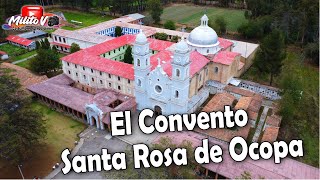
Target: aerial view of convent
{"points": [[193, 69]]}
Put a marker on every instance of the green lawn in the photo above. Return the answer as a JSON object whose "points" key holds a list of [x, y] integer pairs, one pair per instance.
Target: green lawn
{"points": [[62, 130], [188, 14], [87, 19], [16, 53], [24, 64]]}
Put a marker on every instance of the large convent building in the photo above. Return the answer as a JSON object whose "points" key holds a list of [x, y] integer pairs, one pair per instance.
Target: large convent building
{"points": [[165, 76]]}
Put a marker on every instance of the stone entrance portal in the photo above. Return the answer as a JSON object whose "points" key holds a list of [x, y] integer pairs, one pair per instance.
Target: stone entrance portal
{"points": [[157, 110]]}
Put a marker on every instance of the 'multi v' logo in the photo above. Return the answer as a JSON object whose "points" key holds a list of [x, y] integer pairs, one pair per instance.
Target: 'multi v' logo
{"points": [[34, 17]]}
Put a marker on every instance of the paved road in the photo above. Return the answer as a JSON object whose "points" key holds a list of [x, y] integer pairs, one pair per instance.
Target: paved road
{"points": [[95, 140], [25, 59]]}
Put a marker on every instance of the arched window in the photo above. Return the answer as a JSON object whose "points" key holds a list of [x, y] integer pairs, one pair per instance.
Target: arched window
{"points": [[176, 94], [84, 76], [138, 62], [177, 72], [92, 79], [139, 82], [216, 69], [119, 87]]}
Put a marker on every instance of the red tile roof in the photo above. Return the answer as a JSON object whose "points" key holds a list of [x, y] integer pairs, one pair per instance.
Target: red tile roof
{"points": [[60, 44], [90, 57], [287, 169], [198, 61], [19, 40], [225, 57], [3, 53], [224, 44]]}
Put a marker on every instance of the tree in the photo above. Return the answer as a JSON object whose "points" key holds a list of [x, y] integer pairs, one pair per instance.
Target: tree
{"points": [[175, 39], [128, 56], [170, 25], [74, 48], [219, 25], [311, 51], [21, 128], [46, 61], [156, 9], [271, 54], [178, 172], [11, 95], [118, 31], [161, 36], [20, 133]]}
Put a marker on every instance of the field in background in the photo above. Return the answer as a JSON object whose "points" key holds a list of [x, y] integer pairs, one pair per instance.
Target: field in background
{"points": [[189, 14], [87, 19], [62, 133]]}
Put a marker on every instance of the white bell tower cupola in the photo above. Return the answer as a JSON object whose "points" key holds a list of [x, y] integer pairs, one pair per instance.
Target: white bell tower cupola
{"points": [[204, 20], [181, 61], [141, 52]]}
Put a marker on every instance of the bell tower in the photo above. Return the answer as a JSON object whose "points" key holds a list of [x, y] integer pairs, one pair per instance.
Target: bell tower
{"points": [[181, 74], [142, 67]]}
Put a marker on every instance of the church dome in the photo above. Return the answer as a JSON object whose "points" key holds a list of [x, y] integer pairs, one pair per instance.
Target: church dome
{"points": [[203, 35], [182, 46], [141, 38]]}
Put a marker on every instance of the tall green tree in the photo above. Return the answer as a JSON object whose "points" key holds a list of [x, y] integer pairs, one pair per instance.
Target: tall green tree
{"points": [[128, 56], [271, 54], [170, 25], [11, 95], [118, 31], [219, 24], [21, 128], [45, 62], [20, 133], [156, 9], [74, 48]]}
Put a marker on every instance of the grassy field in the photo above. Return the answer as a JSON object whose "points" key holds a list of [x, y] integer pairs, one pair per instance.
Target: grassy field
{"points": [[87, 19], [189, 14], [16, 53], [62, 133]]}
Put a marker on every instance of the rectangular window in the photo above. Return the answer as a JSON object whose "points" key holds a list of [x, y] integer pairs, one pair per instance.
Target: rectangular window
{"points": [[109, 75], [64, 40], [129, 81], [119, 79]]}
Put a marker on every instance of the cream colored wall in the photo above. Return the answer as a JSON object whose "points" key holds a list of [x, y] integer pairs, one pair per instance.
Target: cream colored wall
{"points": [[196, 83], [98, 79]]}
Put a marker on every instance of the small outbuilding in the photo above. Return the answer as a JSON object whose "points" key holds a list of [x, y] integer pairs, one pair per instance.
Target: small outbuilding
{"points": [[4, 55]]}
